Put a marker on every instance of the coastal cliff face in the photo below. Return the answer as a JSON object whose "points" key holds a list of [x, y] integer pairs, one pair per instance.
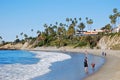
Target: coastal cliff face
{"points": [[12, 46], [109, 42], [26, 45], [15, 46]]}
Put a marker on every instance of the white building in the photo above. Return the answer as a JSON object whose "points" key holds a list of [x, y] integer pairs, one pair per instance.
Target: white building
{"points": [[90, 32], [117, 29]]}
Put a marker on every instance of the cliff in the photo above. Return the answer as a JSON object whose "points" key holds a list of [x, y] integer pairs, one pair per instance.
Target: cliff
{"points": [[11, 46], [109, 42]]}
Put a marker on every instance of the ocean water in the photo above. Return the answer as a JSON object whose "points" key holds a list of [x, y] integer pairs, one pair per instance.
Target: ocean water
{"points": [[72, 69], [38, 65], [23, 65], [17, 56]]}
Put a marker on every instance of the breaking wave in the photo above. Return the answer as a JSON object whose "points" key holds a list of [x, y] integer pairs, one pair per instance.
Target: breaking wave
{"points": [[28, 71]]}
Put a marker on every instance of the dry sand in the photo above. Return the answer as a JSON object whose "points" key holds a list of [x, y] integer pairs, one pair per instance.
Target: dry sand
{"points": [[109, 71]]}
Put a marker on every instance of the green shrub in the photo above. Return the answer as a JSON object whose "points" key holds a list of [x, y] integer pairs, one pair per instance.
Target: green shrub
{"points": [[93, 44], [17, 41], [41, 43], [80, 44]]}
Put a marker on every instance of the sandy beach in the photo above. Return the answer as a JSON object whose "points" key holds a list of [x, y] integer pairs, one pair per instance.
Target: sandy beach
{"points": [[109, 71]]}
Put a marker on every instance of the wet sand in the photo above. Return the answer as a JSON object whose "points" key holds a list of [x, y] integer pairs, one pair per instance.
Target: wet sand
{"points": [[109, 71]]}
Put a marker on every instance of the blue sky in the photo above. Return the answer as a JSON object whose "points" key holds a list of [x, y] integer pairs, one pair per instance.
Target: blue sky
{"points": [[18, 16]]}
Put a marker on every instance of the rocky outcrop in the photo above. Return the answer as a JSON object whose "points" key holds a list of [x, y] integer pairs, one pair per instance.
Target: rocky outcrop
{"points": [[11, 46], [25, 45], [109, 42]]}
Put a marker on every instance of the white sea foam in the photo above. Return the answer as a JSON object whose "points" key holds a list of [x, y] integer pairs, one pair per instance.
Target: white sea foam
{"points": [[26, 72]]}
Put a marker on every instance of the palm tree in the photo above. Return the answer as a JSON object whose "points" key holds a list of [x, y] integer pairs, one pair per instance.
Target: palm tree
{"points": [[114, 17], [21, 34], [50, 24], [50, 35], [51, 31], [16, 36], [1, 37], [32, 32], [71, 31], [61, 24], [115, 10], [113, 20], [43, 37], [61, 34], [38, 32], [26, 36], [59, 31], [56, 23], [75, 19], [70, 19], [46, 29], [63, 30], [17, 40], [89, 22], [67, 20], [54, 28], [45, 25], [86, 18], [81, 26], [107, 28], [73, 23], [80, 19]]}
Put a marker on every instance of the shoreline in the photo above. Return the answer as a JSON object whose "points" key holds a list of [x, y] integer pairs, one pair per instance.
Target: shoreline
{"points": [[110, 70], [76, 71]]}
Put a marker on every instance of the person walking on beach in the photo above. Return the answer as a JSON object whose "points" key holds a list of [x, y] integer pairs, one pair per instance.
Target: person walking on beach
{"points": [[105, 54], [86, 64], [102, 53]]}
